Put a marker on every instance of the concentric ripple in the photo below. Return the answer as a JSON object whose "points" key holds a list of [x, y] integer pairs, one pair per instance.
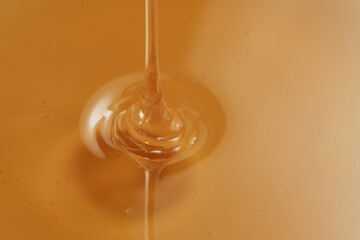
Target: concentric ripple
{"points": [[116, 116]]}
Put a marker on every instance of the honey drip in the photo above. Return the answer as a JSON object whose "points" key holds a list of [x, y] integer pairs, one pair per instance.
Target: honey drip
{"points": [[150, 128], [146, 127]]}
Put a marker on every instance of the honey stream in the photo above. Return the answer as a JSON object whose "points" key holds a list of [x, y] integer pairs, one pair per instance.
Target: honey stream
{"points": [[149, 130]]}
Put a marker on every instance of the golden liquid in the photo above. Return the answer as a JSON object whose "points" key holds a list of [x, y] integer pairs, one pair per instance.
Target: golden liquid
{"points": [[99, 125], [143, 125], [284, 166], [149, 129]]}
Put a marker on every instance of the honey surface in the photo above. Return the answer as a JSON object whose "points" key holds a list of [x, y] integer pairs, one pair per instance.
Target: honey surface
{"points": [[283, 160]]}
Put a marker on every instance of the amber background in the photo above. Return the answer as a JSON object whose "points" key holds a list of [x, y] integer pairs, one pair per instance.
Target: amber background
{"points": [[285, 71]]}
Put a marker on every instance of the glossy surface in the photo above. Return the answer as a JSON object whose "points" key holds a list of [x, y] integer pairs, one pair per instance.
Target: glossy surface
{"points": [[285, 163]]}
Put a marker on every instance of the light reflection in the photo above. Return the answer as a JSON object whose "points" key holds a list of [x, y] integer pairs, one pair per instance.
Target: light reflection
{"points": [[103, 120]]}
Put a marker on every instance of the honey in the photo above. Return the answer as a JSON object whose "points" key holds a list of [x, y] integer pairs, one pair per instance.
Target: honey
{"points": [[280, 86]]}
